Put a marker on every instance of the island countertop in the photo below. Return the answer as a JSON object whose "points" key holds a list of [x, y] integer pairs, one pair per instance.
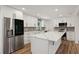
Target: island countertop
{"points": [[50, 35]]}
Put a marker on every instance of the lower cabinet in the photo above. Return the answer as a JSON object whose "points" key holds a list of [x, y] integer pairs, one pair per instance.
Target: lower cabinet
{"points": [[71, 35], [53, 46], [44, 46], [26, 38], [39, 46]]}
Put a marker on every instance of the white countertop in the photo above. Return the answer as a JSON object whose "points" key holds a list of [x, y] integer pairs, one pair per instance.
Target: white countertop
{"points": [[51, 35]]}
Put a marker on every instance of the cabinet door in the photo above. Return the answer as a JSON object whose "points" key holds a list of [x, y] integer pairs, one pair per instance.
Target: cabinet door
{"points": [[53, 46], [39, 46], [30, 21], [26, 38], [59, 20], [70, 35]]}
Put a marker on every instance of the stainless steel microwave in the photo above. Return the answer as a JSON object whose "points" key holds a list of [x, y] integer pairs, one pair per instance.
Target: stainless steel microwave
{"points": [[62, 24]]}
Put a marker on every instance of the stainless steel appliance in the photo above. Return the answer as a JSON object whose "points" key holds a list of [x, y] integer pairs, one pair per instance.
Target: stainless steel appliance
{"points": [[62, 27], [62, 24], [18, 33], [13, 42]]}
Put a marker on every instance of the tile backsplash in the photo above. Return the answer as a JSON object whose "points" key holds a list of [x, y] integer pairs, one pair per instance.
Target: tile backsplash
{"points": [[32, 29]]}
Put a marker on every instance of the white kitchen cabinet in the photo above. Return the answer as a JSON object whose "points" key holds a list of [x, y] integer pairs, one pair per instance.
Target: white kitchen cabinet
{"points": [[59, 20], [26, 38], [71, 35], [39, 46], [70, 21], [46, 43], [42, 46], [53, 46], [30, 21]]}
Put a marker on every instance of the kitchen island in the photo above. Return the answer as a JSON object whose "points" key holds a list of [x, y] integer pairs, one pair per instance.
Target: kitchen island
{"points": [[46, 42]]}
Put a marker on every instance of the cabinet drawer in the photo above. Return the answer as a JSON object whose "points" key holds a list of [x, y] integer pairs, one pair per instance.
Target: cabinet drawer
{"points": [[70, 35]]}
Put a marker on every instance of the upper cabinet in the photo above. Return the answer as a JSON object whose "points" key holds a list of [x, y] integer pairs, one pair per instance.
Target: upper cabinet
{"points": [[58, 20], [69, 20], [30, 21]]}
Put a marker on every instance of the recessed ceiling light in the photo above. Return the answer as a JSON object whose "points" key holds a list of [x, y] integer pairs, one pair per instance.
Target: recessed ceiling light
{"points": [[23, 8], [56, 9]]}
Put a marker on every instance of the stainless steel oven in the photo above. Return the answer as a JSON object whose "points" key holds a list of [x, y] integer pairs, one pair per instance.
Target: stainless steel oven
{"points": [[62, 27]]}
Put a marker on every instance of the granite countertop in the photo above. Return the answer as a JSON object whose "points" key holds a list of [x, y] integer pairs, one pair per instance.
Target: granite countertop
{"points": [[50, 35]]}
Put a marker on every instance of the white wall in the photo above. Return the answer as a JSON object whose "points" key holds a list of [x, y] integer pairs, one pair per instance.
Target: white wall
{"points": [[1, 32], [9, 12], [6, 11]]}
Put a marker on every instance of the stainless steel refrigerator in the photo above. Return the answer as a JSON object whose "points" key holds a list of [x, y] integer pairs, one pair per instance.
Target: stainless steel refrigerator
{"points": [[13, 37]]}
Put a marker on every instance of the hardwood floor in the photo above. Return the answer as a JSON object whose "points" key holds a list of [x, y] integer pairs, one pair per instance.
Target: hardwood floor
{"points": [[66, 47], [25, 50]]}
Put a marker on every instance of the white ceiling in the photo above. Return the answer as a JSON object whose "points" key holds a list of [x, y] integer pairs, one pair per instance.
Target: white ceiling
{"points": [[48, 11]]}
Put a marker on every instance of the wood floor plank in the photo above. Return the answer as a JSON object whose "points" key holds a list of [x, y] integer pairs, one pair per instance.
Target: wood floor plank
{"points": [[68, 47], [77, 48]]}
